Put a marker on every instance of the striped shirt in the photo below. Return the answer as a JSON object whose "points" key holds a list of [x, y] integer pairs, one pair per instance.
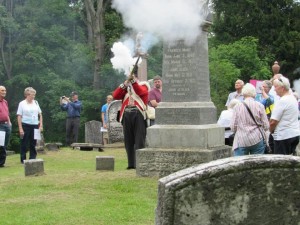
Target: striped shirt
{"points": [[246, 131]]}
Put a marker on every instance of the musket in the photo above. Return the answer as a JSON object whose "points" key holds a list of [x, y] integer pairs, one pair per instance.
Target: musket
{"points": [[134, 69]]}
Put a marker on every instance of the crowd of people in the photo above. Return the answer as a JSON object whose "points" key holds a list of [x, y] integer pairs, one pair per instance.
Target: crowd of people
{"points": [[253, 122], [30, 122], [264, 122]]}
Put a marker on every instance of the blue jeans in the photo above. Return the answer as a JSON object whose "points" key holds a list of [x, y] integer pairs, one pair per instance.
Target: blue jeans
{"points": [[7, 129], [258, 148]]}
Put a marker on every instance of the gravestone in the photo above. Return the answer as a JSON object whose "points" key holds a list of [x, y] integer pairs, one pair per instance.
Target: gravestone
{"points": [[185, 131], [40, 145], [92, 132], [52, 147], [105, 163], [256, 189], [115, 128], [34, 167]]}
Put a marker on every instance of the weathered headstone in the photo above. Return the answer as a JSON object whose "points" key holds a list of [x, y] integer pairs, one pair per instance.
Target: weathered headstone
{"points": [[34, 167], [52, 146], [40, 145], [105, 163], [185, 131], [92, 132], [115, 128], [256, 189]]}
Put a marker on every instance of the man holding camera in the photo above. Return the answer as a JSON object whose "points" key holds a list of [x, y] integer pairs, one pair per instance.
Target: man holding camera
{"points": [[134, 96], [73, 109]]}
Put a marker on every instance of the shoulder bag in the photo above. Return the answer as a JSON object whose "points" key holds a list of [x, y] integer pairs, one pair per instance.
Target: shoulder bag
{"points": [[267, 147]]}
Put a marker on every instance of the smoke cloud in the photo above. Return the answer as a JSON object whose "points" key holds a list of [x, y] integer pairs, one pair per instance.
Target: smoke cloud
{"points": [[296, 85], [168, 20], [122, 60]]}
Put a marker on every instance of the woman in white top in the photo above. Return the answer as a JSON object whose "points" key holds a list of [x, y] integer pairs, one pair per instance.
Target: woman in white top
{"points": [[284, 120], [29, 118], [225, 121]]}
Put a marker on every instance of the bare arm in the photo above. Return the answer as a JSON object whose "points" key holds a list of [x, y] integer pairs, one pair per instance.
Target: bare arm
{"points": [[154, 103], [21, 131], [41, 122], [273, 124], [103, 121]]}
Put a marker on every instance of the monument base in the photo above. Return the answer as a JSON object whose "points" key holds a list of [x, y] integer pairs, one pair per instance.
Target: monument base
{"points": [[185, 136], [159, 162]]}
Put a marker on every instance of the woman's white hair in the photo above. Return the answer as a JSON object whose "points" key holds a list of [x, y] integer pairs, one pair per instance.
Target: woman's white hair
{"points": [[233, 103], [249, 90], [28, 91], [283, 82]]}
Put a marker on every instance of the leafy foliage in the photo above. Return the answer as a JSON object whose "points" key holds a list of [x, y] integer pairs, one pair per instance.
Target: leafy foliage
{"points": [[45, 45], [275, 24], [238, 60]]}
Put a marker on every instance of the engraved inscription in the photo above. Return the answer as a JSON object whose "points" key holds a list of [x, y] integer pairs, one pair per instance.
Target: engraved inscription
{"points": [[185, 73]]}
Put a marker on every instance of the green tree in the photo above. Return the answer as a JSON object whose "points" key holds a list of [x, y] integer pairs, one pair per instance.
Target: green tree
{"points": [[238, 60], [42, 44], [274, 23]]}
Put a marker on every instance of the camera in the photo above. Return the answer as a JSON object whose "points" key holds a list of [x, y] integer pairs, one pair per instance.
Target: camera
{"points": [[62, 97]]}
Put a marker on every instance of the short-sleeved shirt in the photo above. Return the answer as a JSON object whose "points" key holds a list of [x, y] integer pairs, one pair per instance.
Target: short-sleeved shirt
{"points": [[234, 95], [4, 113], [29, 112], [154, 94], [267, 102], [225, 121], [104, 110], [286, 112]]}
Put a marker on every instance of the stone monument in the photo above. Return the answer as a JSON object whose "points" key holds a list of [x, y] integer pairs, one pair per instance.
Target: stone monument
{"points": [[186, 132], [115, 128], [256, 189], [142, 69], [93, 133]]}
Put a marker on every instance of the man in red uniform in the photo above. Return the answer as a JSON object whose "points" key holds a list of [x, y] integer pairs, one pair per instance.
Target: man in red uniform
{"points": [[5, 124], [134, 96]]}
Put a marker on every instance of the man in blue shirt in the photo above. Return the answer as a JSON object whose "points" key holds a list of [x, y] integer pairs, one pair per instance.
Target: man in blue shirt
{"points": [[104, 118], [73, 109]]}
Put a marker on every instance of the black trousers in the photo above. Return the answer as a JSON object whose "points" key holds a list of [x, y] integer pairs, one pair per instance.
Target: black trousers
{"points": [[28, 138], [134, 128], [287, 146], [72, 128]]}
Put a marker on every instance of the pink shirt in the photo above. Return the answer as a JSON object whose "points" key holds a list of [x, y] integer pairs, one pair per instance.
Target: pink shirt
{"points": [[154, 94], [246, 130], [4, 113]]}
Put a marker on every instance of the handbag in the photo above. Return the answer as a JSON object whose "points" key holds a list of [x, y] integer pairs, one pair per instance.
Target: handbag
{"points": [[268, 150], [150, 112]]}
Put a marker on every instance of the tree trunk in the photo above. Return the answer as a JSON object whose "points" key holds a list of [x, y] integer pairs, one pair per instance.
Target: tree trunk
{"points": [[5, 42], [95, 15]]}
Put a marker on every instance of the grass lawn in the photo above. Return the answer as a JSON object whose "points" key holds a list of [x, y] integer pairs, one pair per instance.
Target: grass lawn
{"points": [[73, 192]]}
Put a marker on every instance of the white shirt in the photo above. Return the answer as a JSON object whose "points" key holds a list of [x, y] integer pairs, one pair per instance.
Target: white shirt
{"points": [[225, 120], [274, 94], [234, 95], [29, 112], [286, 112]]}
